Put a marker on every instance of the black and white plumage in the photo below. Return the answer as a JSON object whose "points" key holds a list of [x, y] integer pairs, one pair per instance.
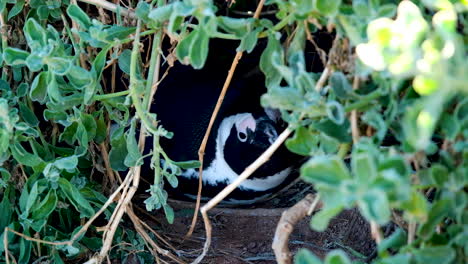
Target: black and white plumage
{"points": [[243, 130]]}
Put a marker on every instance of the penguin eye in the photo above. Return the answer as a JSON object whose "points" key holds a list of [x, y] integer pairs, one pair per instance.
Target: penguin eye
{"points": [[242, 136]]}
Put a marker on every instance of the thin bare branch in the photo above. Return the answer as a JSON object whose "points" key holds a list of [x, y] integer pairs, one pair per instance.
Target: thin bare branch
{"points": [[201, 150], [288, 220], [226, 191], [375, 231], [111, 7], [354, 115]]}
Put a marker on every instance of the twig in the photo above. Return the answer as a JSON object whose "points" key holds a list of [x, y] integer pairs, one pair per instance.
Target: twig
{"points": [[5, 245], [286, 224], [321, 52], [111, 7], [103, 208], [105, 157], [201, 150], [313, 206], [30, 239], [323, 78], [411, 231], [228, 189], [375, 231], [134, 172], [354, 116], [328, 67], [4, 33], [139, 227]]}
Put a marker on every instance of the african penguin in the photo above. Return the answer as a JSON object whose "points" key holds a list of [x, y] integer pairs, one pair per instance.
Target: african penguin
{"points": [[242, 131]]}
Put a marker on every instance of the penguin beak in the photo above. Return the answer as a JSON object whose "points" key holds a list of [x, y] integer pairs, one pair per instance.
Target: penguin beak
{"points": [[271, 133], [265, 134]]}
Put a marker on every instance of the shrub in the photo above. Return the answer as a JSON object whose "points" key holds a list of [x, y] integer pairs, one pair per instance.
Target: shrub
{"points": [[391, 101]]}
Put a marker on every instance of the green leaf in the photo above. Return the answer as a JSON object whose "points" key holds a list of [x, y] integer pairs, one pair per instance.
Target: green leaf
{"points": [[15, 57], [190, 164], [396, 164], [79, 77], [353, 28], [35, 34], [461, 111], [320, 220], [124, 61], [46, 207], [374, 206], [22, 89], [76, 198], [438, 212], [16, 9], [416, 207], [39, 88], [396, 240], [142, 11], [28, 115], [89, 124], [134, 157], [193, 49], [331, 129], [337, 256], [34, 62], [32, 197], [323, 170], [7, 211], [388, 10], [169, 213], [199, 50], [363, 167], [335, 112], [400, 259], [303, 142], [327, 7], [434, 255], [79, 16], [341, 85], [118, 150], [249, 42], [97, 68], [59, 66], [272, 76], [302, 8], [161, 13], [24, 157], [361, 8], [237, 26], [67, 163], [118, 32], [101, 130], [25, 250], [304, 256]]}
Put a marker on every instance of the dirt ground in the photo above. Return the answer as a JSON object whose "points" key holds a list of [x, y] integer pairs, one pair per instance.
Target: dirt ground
{"points": [[245, 235]]}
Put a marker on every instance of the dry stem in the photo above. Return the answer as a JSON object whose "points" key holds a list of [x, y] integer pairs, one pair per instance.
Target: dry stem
{"points": [[411, 231], [288, 220], [201, 150], [354, 115], [4, 33], [375, 231], [111, 7], [139, 227]]}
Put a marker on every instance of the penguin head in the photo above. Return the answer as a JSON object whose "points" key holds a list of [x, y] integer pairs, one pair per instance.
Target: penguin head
{"points": [[243, 138]]}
